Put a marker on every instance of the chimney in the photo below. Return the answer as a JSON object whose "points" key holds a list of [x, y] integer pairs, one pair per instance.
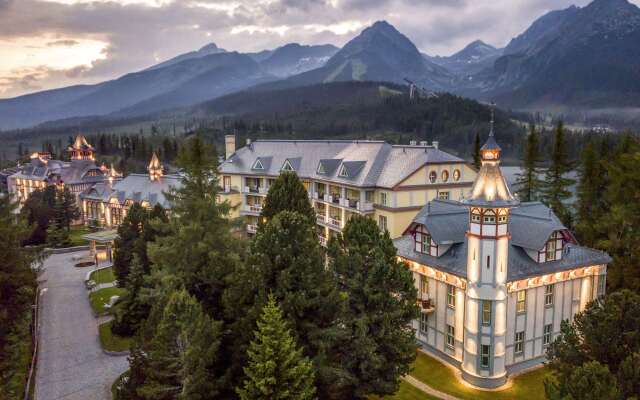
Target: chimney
{"points": [[229, 145], [423, 143], [435, 144]]}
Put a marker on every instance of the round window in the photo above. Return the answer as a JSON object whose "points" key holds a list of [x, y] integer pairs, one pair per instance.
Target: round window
{"points": [[433, 176], [456, 175], [445, 176]]}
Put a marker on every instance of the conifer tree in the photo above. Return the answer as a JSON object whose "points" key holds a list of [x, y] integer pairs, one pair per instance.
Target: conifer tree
{"points": [[182, 353], [288, 193], [381, 305], [276, 369], [285, 259], [128, 242], [528, 183], [591, 190], [590, 381], [132, 309], [556, 190], [57, 232], [477, 159], [68, 208]]}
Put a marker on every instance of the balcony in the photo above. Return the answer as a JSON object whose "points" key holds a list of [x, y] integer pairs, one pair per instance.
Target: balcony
{"points": [[334, 222], [256, 208], [427, 306], [334, 198], [325, 197], [323, 240], [252, 228], [263, 190], [321, 218], [366, 207], [352, 203], [254, 189]]}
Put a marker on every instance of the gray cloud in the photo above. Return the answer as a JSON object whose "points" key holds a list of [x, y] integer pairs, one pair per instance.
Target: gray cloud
{"points": [[138, 36]]}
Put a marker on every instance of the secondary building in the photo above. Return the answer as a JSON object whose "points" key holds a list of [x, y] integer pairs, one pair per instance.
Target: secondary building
{"points": [[496, 277], [78, 174], [389, 183], [107, 203]]}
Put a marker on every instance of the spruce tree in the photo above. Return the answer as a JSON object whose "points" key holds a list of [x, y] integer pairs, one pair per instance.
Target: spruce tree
{"points": [[132, 309], [477, 160], [57, 232], [68, 208], [556, 191], [590, 381], [128, 242], [276, 369], [528, 184], [285, 259], [381, 305], [591, 189], [288, 193]]}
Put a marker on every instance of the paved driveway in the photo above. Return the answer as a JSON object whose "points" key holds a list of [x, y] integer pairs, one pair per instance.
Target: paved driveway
{"points": [[71, 364]]}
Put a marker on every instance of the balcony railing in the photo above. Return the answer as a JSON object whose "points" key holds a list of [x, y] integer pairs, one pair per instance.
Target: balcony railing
{"points": [[321, 218], [351, 203], [322, 240], [252, 228], [257, 208], [263, 190], [427, 306], [335, 199], [335, 222], [254, 189]]}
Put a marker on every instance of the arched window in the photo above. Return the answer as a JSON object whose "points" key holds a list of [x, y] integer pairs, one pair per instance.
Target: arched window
{"points": [[433, 176], [445, 175]]}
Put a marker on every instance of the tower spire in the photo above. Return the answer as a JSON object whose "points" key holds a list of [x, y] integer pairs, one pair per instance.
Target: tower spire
{"points": [[155, 168], [493, 106]]}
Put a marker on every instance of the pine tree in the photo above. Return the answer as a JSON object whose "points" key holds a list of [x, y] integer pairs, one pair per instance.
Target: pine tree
{"points": [[285, 259], [276, 369], [69, 211], [590, 381], [591, 189], [381, 305], [128, 242], [173, 371], [132, 309], [556, 190], [477, 160], [528, 183], [57, 232], [288, 193]]}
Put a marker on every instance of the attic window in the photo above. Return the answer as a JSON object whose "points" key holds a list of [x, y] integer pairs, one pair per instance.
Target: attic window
{"points": [[287, 166], [257, 165], [321, 169], [423, 242], [343, 172]]}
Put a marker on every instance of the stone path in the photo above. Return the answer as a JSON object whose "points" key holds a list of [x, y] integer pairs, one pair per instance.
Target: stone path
{"points": [[428, 389], [71, 364]]}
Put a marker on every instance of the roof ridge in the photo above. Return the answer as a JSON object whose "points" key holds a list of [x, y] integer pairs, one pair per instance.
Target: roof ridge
{"points": [[354, 141]]}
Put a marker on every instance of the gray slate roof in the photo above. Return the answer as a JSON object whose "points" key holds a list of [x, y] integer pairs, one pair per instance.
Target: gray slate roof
{"points": [[73, 172], [530, 225], [137, 188], [368, 163]]}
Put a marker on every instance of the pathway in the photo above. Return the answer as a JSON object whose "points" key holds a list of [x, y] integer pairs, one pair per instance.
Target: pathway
{"points": [[428, 389], [71, 364]]}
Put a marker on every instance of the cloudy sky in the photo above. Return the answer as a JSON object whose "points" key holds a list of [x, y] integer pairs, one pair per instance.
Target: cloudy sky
{"points": [[46, 44]]}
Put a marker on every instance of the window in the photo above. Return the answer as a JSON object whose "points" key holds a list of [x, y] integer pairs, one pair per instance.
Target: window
{"points": [[368, 196], [489, 219], [456, 175], [602, 285], [423, 323], [287, 166], [488, 262], [521, 304], [475, 218], [502, 219], [486, 312], [451, 334], [484, 355], [343, 172], [258, 164], [551, 250], [226, 182], [451, 296], [443, 195], [321, 169], [445, 176], [423, 240], [383, 198], [519, 343], [546, 338], [382, 222], [548, 295], [433, 176]]}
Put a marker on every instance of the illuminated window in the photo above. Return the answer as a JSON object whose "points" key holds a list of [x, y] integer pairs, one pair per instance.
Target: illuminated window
{"points": [[546, 338], [423, 240], [451, 334], [423, 323], [521, 302], [451, 296], [475, 218], [519, 343], [548, 295], [486, 312], [424, 285], [443, 195], [456, 175], [445, 176], [489, 219], [433, 176], [502, 219], [484, 355], [551, 250]]}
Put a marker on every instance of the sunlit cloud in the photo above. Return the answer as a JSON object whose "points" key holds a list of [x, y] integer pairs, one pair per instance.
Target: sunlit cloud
{"points": [[252, 29], [341, 28], [150, 3]]}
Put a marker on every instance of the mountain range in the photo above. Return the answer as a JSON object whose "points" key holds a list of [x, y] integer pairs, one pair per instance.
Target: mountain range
{"points": [[580, 57]]}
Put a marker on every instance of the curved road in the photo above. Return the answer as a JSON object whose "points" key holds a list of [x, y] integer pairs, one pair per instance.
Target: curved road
{"points": [[71, 364]]}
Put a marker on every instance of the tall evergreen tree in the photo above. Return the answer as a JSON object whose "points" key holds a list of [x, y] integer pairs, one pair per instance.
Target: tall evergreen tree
{"points": [[590, 381], [276, 369], [591, 190], [288, 193], [17, 288], [57, 232], [556, 190], [477, 159], [133, 308], [528, 183], [381, 305], [183, 353], [128, 242], [286, 260], [69, 210]]}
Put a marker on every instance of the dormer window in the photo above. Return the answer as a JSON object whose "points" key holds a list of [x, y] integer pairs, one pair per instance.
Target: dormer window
{"points": [[343, 172], [287, 166], [321, 169], [552, 250], [423, 241], [258, 165]]}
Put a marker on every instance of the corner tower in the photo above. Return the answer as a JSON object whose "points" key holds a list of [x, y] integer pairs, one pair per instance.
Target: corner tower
{"points": [[81, 149], [155, 168], [490, 202]]}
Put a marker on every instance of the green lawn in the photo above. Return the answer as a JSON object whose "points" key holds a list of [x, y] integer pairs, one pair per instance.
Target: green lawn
{"points": [[75, 235], [435, 374], [408, 392], [102, 296], [103, 276], [111, 342]]}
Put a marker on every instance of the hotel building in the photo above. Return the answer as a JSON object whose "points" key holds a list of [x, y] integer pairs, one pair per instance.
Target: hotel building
{"points": [[495, 277], [389, 183]]}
